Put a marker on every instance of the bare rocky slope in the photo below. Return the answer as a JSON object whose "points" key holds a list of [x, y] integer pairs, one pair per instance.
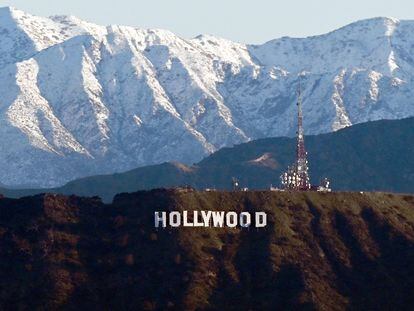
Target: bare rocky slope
{"points": [[78, 99], [320, 251]]}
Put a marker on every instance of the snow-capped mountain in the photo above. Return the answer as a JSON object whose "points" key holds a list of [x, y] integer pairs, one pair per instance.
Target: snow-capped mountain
{"points": [[79, 99]]}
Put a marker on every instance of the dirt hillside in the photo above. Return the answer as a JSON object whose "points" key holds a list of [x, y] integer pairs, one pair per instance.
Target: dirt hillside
{"points": [[319, 251]]}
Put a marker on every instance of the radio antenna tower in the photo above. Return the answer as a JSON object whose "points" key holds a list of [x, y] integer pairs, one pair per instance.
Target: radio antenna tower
{"points": [[301, 154], [297, 176]]}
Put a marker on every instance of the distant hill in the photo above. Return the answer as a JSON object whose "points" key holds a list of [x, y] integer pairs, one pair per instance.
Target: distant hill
{"points": [[374, 156], [319, 251]]}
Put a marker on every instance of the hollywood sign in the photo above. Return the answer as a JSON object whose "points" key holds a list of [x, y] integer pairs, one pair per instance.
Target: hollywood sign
{"points": [[217, 219]]}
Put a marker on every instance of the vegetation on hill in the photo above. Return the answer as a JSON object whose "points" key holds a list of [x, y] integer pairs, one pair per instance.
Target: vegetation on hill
{"points": [[327, 251]]}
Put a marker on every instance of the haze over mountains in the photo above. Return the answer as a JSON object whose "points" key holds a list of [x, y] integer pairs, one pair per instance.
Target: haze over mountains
{"points": [[78, 99]]}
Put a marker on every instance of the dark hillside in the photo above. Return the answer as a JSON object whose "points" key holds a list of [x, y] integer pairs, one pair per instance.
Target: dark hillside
{"points": [[332, 251]]}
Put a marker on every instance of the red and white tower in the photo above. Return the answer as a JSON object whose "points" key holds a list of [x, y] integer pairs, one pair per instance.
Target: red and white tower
{"points": [[303, 182], [297, 175]]}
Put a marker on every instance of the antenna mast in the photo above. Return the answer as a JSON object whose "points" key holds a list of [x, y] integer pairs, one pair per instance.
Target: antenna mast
{"points": [[297, 176], [302, 170]]}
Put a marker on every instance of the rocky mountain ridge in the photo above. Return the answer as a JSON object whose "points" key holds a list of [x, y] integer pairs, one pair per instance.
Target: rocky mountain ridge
{"points": [[78, 99]]}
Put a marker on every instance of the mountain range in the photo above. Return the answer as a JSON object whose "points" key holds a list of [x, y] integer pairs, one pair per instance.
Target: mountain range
{"points": [[79, 99], [373, 156]]}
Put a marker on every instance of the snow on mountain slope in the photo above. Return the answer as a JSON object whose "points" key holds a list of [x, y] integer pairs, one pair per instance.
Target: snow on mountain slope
{"points": [[79, 99]]}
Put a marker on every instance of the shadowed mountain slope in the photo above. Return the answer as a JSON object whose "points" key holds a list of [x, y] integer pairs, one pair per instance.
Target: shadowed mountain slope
{"points": [[332, 251]]}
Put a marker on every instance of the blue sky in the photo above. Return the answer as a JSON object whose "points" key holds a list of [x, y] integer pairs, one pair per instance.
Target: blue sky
{"points": [[254, 21]]}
